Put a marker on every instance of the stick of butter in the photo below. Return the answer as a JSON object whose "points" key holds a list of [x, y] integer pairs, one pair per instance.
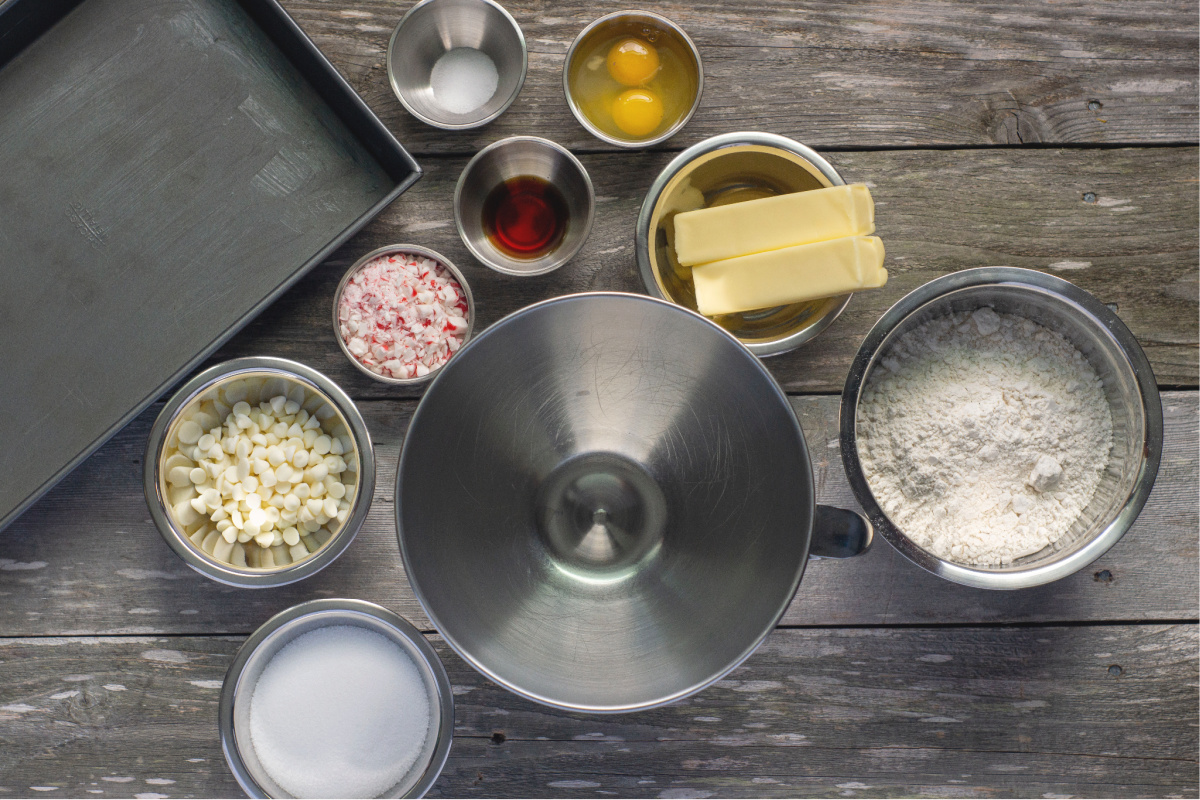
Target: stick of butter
{"points": [[789, 275], [755, 226]]}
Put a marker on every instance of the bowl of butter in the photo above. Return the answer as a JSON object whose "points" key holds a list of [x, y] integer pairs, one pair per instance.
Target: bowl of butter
{"points": [[761, 235]]}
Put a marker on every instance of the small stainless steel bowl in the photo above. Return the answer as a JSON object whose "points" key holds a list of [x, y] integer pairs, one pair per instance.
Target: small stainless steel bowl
{"points": [[205, 386], [413, 249], [632, 20], [726, 169], [283, 628], [433, 27], [512, 158], [1113, 353]]}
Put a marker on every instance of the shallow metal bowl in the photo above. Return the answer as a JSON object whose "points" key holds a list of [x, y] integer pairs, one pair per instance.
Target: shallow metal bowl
{"points": [[511, 158], [412, 249], [725, 169], [283, 628], [1113, 353], [433, 27], [632, 19], [346, 419]]}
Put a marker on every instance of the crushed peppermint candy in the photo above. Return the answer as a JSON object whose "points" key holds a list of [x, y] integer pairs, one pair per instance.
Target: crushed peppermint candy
{"points": [[402, 315]]}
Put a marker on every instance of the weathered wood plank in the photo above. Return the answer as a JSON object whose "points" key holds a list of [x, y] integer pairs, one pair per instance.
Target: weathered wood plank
{"points": [[1098, 711], [87, 560], [1134, 244], [845, 73]]}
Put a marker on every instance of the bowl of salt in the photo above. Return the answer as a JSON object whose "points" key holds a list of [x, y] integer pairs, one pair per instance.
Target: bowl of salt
{"points": [[336, 698], [457, 64]]}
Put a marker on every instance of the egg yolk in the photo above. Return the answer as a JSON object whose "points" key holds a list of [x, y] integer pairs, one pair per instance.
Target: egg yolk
{"points": [[632, 62], [637, 111]]}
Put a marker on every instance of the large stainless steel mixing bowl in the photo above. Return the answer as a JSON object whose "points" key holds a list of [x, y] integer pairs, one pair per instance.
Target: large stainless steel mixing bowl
{"points": [[605, 503], [1118, 361]]}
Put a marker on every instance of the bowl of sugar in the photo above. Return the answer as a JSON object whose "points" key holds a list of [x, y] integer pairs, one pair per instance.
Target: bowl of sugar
{"points": [[336, 698], [457, 64]]}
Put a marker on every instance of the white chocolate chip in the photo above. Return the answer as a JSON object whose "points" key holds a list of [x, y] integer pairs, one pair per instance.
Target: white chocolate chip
{"points": [[257, 464], [190, 432], [180, 476]]}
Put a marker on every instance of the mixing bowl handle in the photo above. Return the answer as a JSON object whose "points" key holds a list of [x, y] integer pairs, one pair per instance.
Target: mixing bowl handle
{"points": [[839, 533]]}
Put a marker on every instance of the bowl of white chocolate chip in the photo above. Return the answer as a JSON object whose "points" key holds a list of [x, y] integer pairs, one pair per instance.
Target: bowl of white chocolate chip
{"points": [[259, 472]]}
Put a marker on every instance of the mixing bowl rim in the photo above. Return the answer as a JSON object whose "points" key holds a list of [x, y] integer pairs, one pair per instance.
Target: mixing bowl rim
{"points": [[587, 124], [560, 258], [414, 249], [228, 574], [401, 627], [463, 653], [1105, 322], [723, 141], [456, 126]]}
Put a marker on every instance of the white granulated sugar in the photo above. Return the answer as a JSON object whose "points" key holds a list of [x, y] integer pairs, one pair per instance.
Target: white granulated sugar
{"points": [[340, 711], [983, 436], [463, 79]]}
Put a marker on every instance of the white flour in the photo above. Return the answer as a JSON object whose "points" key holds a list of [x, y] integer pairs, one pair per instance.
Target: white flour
{"points": [[983, 436]]}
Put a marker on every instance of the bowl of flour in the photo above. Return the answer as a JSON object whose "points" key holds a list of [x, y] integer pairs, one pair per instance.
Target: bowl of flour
{"points": [[1001, 427]]}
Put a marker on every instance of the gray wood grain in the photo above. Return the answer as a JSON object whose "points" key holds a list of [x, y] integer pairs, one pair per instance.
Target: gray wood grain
{"points": [[877, 74], [1121, 224], [1105, 711], [87, 560]]}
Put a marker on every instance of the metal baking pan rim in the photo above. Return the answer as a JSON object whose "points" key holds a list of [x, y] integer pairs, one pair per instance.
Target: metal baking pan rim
{"points": [[399, 158]]}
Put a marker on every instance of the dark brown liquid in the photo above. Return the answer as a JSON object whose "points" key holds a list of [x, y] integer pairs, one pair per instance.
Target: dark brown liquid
{"points": [[525, 217]]}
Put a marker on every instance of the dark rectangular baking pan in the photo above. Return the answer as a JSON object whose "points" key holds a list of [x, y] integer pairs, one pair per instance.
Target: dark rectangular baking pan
{"points": [[168, 168]]}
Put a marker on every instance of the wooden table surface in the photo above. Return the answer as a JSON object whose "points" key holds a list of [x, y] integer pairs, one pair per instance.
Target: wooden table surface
{"points": [[1059, 136]]}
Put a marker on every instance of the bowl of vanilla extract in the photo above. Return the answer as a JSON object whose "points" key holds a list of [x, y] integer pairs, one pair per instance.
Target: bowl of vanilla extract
{"points": [[524, 205]]}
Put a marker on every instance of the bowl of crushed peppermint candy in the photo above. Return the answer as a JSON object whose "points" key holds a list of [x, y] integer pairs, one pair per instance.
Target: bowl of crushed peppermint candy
{"points": [[1001, 427], [401, 312]]}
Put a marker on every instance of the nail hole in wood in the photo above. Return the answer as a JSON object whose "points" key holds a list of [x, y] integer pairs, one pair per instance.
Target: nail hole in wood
{"points": [[1103, 576], [499, 737], [1115, 670]]}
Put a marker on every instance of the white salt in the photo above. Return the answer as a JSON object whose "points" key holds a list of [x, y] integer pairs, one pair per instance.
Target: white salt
{"points": [[341, 711], [463, 79]]}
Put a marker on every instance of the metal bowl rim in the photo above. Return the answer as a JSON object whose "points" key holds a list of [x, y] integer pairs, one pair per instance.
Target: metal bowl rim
{"points": [[413, 249], [561, 258], [1107, 323], [463, 653], [402, 627], [773, 347], [458, 126], [626, 143], [227, 573]]}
